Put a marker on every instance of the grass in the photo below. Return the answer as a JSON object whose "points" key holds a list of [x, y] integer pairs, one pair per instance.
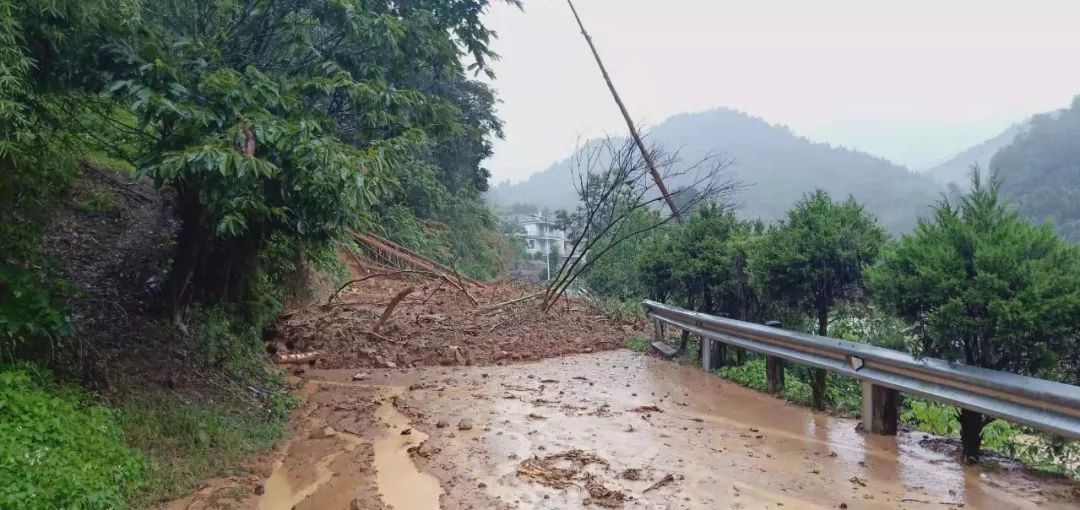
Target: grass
{"points": [[637, 343], [186, 443]]}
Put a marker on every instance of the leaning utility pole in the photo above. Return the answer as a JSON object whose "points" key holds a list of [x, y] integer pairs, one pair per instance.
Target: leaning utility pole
{"points": [[629, 123]]}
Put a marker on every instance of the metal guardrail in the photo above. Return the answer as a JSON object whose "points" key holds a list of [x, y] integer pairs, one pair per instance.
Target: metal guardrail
{"points": [[1045, 405]]}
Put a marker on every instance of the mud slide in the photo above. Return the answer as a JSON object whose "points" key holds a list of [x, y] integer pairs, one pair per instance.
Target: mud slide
{"points": [[610, 430]]}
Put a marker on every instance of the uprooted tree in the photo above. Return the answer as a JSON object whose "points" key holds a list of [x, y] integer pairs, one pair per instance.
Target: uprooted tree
{"points": [[619, 201]]}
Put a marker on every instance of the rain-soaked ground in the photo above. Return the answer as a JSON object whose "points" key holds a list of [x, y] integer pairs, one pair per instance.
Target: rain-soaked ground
{"points": [[614, 429]]}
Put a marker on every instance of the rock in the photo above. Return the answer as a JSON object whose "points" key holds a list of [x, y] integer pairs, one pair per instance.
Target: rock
{"points": [[406, 432], [299, 371], [391, 364], [465, 424], [259, 490], [360, 376], [323, 433], [481, 485], [442, 424]]}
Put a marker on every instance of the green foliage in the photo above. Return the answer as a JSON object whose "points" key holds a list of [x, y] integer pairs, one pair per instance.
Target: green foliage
{"points": [[58, 450], [189, 442], [752, 375], [703, 264], [932, 417], [1040, 170], [612, 275], [49, 50], [816, 256], [637, 343], [985, 286]]}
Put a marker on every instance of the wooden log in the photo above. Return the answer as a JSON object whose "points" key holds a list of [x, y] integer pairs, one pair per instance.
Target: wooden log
{"points": [[297, 358]]}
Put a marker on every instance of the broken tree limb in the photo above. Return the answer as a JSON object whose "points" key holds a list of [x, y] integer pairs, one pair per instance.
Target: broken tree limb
{"points": [[402, 271], [298, 358], [626, 116], [390, 308], [503, 304]]}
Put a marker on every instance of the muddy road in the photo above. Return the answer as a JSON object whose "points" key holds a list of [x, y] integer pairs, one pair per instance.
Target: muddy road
{"points": [[612, 429]]}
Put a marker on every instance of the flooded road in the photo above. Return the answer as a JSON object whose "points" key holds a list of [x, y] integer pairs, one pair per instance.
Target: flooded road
{"points": [[612, 429]]}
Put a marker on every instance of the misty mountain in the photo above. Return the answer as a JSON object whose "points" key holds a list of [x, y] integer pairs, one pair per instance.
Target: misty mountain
{"points": [[776, 166], [957, 169], [1040, 170]]}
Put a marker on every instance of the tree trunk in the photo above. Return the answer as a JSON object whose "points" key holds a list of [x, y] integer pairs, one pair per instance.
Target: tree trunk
{"points": [[971, 426], [206, 268]]}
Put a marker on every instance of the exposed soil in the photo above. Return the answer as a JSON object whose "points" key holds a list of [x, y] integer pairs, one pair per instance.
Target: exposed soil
{"points": [[438, 324]]}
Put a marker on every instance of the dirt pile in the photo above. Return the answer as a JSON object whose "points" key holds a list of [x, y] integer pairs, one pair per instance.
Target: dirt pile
{"points": [[401, 319]]}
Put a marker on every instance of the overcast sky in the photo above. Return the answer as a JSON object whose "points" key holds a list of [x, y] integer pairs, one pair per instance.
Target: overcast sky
{"points": [[914, 80]]}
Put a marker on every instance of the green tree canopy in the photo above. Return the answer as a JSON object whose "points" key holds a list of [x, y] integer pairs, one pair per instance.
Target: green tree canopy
{"points": [[987, 288], [817, 255]]}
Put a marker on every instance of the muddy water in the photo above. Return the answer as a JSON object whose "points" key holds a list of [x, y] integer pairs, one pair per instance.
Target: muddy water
{"points": [[279, 492], [722, 445], [400, 484]]}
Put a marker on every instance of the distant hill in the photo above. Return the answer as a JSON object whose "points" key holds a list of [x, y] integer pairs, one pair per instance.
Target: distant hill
{"points": [[777, 166], [957, 169], [1041, 170]]}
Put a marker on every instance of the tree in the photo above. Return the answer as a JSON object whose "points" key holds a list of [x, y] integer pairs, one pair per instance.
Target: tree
{"points": [[815, 257], [986, 288], [50, 52], [613, 182], [286, 119], [703, 264]]}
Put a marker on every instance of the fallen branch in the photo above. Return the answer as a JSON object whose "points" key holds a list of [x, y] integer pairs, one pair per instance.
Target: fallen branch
{"points": [[297, 358], [496, 306], [379, 337], [663, 481], [401, 271], [390, 308]]}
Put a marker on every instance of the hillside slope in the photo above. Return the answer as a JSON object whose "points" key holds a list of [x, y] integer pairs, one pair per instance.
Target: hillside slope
{"points": [[1041, 170], [957, 169], [776, 165]]}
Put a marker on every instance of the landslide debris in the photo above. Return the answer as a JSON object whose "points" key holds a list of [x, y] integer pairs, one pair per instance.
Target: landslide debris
{"points": [[439, 324]]}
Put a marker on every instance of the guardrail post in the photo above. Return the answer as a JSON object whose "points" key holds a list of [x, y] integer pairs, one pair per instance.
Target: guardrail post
{"points": [[817, 388], [774, 369], [706, 353], [774, 373], [880, 409]]}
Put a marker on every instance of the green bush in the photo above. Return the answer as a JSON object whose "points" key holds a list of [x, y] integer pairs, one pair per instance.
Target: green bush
{"points": [[58, 450]]}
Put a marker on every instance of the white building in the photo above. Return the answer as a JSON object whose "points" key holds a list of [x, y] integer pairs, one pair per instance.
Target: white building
{"points": [[542, 236]]}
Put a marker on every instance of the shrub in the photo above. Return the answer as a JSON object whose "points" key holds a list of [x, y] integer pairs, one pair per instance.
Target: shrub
{"points": [[58, 450]]}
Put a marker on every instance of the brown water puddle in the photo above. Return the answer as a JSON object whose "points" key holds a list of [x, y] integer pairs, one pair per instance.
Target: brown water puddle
{"points": [[401, 484], [279, 493]]}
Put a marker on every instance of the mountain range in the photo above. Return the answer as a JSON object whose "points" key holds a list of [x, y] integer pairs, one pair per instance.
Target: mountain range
{"points": [[776, 167]]}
